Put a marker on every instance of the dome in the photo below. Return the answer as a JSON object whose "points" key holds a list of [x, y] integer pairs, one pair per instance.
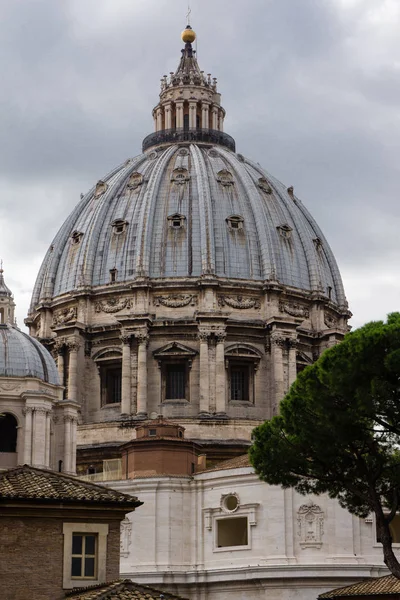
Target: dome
{"points": [[23, 356], [189, 211]]}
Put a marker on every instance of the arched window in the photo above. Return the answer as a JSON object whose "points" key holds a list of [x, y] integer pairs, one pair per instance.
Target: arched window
{"points": [[8, 433]]}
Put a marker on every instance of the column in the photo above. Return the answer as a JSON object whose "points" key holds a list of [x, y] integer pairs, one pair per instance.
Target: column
{"points": [[205, 123], [215, 117], [67, 467], [142, 339], [292, 370], [277, 345], [39, 437], [159, 119], [126, 374], [60, 360], [73, 346], [179, 114], [221, 121], [204, 372], [28, 435], [47, 441], [220, 378], [192, 115], [74, 424], [168, 116]]}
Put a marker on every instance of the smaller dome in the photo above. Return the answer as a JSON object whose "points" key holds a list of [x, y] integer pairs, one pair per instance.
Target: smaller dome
{"points": [[4, 290], [23, 356], [188, 35]]}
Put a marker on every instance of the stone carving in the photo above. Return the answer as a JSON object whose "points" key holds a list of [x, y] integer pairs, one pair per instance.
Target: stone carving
{"points": [[125, 337], [225, 178], [10, 386], [135, 181], [66, 315], [28, 410], [240, 302], [310, 523], [142, 337], [125, 537], [59, 344], [278, 340], [73, 345], [112, 305], [220, 335], [175, 300], [330, 321], [101, 188], [204, 335], [294, 309], [264, 185]]}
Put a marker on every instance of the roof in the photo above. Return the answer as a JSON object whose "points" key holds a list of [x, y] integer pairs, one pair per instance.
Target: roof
{"points": [[4, 290], [30, 483], [381, 586], [23, 356], [233, 463], [120, 590], [186, 212]]}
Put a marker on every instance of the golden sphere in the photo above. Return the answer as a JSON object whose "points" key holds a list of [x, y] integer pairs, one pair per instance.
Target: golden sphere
{"points": [[188, 35]]}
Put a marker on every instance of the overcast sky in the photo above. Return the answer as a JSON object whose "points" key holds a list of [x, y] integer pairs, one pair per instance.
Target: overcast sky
{"points": [[311, 89]]}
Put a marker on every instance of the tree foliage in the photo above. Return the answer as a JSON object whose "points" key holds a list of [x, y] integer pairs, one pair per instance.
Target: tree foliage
{"points": [[338, 431]]}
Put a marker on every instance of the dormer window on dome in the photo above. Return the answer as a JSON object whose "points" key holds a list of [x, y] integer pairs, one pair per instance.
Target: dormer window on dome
{"points": [[225, 178], [101, 188], [113, 275], [235, 223], [76, 237], [176, 221], [285, 231], [119, 226], [180, 176], [264, 185], [135, 181]]}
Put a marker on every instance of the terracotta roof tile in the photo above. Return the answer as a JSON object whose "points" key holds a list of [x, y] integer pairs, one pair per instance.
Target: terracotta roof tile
{"points": [[233, 463], [31, 483], [388, 585], [120, 590]]}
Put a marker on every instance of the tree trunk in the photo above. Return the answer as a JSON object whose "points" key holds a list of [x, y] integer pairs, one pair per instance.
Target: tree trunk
{"points": [[383, 534]]}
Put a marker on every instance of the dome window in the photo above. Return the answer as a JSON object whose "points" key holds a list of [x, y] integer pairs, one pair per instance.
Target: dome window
{"points": [[235, 223], [317, 243], [101, 188], [225, 178], [113, 275], [180, 176], [176, 221], [135, 181], [285, 231], [119, 226], [76, 237], [264, 185]]}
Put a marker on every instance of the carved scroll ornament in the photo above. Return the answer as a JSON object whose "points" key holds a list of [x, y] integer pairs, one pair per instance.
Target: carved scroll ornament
{"points": [[240, 302], [65, 315], [294, 310], [175, 300], [113, 305], [310, 522]]}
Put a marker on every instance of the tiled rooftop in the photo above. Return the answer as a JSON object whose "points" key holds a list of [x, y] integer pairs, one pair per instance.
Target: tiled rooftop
{"points": [[30, 483], [238, 462], [377, 586], [120, 590]]}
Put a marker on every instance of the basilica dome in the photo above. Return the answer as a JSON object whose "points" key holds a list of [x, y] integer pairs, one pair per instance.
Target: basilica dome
{"points": [[189, 209], [23, 356]]}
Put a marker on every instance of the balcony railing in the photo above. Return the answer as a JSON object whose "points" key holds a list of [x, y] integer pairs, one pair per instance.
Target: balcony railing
{"points": [[171, 136]]}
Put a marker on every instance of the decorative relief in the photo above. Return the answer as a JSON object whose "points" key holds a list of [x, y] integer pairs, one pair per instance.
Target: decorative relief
{"points": [[294, 309], [183, 152], [66, 315], [203, 335], [278, 340], [59, 344], [113, 305], [220, 335], [135, 181], [73, 345], [142, 337], [264, 185], [175, 300], [240, 302], [101, 188], [330, 321], [310, 523], [10, 386], [125, 537], [152, 155], [225, 178], [213, 153]]}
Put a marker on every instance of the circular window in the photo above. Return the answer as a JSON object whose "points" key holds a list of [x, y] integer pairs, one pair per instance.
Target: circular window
{"points": [[231, 503]]}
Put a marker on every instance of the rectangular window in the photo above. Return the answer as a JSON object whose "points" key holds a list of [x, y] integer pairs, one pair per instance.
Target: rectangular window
{"points": [[84, 553], [232, 532], [111, 383], [239, 382], [175, 382]]}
